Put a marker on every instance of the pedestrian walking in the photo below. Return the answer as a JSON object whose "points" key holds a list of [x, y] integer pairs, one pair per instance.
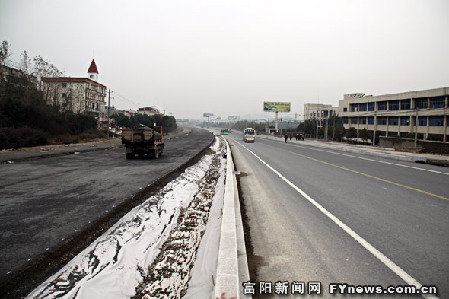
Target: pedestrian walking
{"points": [[286, 137]]}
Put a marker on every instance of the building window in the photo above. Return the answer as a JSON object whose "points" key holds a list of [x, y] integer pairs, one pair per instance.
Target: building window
{"points": [[382, 120], [394, 105], [436, 121], [345, 109], [362, 120], [354, 120], [382, 105], [437, 102], [422, 121], [393, 120], [405, 120], [345, 120], [421, 103], [405, 104], [354, 107], [371, 106], [371, 120], [363, 107]]}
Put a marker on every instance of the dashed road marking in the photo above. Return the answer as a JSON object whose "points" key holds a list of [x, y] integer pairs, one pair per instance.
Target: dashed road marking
{"points": [[335, 153], [371, 160], [401, 165], [379, 255], [370, 176], [367, 159], [419, 168]]}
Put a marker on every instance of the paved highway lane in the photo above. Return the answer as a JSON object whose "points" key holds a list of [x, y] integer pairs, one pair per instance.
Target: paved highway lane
{"points": [[45, 201], [322, 215]]}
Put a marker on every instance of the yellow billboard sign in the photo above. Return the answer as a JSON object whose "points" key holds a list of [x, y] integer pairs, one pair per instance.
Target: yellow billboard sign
{"points": [[276, 106]]}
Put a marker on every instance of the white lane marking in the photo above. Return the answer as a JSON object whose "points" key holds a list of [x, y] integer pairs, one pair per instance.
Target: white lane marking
{"points": [[367, 159], [379, 255], [335, 153], [372, 160], [401, 165], [414, 167]]}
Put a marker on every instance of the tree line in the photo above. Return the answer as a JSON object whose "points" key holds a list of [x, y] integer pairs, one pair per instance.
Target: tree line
{"points": [[167, 122], [27, 120]]}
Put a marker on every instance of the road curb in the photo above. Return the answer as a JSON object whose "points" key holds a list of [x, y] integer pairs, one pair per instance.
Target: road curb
{"points": [[232, 267]]}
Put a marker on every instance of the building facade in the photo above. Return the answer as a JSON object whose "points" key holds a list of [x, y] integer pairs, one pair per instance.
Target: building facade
{"points": [[148, 111], [80, 95], [318, 111], [404, 114]]}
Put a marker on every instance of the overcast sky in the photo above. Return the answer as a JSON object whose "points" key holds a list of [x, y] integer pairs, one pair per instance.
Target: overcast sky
{"points": [[228, 57]]}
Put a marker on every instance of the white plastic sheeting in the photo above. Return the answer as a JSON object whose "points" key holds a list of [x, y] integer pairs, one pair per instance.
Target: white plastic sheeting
{"points": [[115, 264]]}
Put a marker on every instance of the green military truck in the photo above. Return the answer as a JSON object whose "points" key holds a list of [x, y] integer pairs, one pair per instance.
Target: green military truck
{"points": [[143, 140]]}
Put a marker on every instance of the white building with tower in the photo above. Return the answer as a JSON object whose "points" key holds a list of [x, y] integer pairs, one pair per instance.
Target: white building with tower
{"points": [[80, 95]]}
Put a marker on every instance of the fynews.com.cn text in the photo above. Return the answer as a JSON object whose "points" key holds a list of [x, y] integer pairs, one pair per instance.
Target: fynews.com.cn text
{"points": [[315, 288]]}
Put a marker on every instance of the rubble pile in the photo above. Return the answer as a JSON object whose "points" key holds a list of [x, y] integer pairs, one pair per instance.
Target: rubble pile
{"points": [[169, 274]]}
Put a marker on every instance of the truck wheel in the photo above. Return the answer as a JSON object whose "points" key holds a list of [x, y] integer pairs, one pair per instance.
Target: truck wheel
{"points": [[130, 156], [156, 153]]}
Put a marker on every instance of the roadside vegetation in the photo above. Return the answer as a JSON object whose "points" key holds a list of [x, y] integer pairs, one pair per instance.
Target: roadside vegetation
{"points": [[26, 120], [167, 122]]}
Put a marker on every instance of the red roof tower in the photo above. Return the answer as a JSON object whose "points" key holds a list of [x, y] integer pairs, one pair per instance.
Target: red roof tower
{"points": [[93, 71], [93, 67]]}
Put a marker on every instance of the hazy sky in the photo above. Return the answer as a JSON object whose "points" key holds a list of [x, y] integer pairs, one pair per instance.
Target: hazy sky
{"points": [[227, 57]]}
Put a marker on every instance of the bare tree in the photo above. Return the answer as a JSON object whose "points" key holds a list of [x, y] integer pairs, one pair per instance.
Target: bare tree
{"points": [[25, 63], [4, 52], [43, 68]]}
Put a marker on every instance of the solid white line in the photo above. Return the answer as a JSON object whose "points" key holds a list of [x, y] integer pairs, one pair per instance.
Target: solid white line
{"points": [[379, 255]]}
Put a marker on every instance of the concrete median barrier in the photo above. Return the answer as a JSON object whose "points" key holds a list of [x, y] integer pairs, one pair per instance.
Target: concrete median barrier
{"points": [[232, 267]]}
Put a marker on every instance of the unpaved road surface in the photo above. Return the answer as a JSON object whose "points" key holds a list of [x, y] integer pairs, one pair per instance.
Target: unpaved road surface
{"points": [[53, 207]]}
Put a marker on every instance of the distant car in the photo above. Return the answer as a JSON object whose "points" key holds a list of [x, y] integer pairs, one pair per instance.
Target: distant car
{"points": [[224, 131]]}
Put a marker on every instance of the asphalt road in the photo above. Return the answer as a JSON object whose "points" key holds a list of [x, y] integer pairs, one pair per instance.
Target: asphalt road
{"points": [[45, 201], [311, 213]]}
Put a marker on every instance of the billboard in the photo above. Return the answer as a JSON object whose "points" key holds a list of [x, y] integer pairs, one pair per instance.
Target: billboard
{"points": [[208, 114], [276, 106]]}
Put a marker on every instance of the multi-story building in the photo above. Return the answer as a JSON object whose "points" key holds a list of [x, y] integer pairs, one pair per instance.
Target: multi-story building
{"points": [[80, 95], [148, 111], [318, 111], [423, 112]]}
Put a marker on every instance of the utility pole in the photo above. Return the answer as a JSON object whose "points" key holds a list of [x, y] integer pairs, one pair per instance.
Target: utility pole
{"points": [[333, 126], [416, 127], [109, 109], [325, 127]]}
